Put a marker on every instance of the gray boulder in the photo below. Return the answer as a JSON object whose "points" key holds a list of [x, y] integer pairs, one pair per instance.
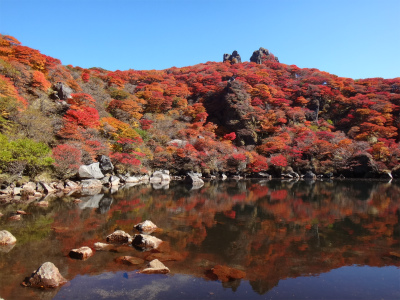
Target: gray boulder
{"points": [[91, 183], [106, 165], [90, 171], [194, 179], [46, 276], [160, 177], [309, 175], [155, 267], [63, 92], [146, 242]]}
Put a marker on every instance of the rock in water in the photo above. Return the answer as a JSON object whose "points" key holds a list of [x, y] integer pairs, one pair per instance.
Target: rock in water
{"points": [[146, 242], [129, 260], [118, 237], [81, 253], [155, 267], [6, 238], [47, 276], [146, 227]]}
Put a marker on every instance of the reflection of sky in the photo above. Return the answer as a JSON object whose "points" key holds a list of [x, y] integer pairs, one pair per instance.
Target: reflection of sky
{"points": [[344, 283]]}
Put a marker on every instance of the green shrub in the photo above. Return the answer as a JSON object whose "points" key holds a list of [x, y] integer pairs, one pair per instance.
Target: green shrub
{"points": [[23, 156]]}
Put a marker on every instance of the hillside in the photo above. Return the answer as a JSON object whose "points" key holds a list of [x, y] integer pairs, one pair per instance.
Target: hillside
{"points": [[216, 117]]}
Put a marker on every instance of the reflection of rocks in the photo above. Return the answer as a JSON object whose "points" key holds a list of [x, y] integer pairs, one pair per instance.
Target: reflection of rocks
{"points": [[118, 237], [6, 238], [47, 276], [129, 260], [91, 186], [155, 267], [82, 253], [161, 185], [91, 201], [146, 227], [146, 242], [6, 248], [105, 204], [224, 273]]}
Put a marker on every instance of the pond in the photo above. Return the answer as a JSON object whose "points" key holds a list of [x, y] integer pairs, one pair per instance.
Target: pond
{"points": [[293, 240]]}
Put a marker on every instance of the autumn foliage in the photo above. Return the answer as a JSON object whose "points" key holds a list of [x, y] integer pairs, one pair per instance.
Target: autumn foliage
{"points": [[271, 117]]}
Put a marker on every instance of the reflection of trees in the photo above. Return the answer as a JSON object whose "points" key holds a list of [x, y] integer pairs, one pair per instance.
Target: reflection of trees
{"points": [[272, 230]]}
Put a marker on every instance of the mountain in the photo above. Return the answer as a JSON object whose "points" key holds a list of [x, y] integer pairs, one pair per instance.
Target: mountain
{"points": [[216, 117]]}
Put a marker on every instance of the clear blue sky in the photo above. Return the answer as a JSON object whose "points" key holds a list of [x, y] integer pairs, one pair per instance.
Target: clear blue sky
{"points": [[349, 38]]}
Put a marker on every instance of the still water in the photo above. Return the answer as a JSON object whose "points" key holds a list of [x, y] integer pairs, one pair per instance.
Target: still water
{"points": [[294, 240]]}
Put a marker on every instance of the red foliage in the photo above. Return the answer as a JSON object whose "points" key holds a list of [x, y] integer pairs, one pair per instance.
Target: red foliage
{"points": [[230, 136], [279, 160], [67, 158], [146, 124], [85, 117], [40, 81]]}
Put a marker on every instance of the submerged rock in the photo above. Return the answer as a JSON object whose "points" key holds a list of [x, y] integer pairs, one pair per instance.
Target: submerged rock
{"points": [[6, 238], [81, 253], [155, 267], [46, 276], [129, 260]]}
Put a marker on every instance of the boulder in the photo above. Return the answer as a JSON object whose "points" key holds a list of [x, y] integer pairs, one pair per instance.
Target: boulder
{"points": [[72, 185], [160, 176], [224, 177], [47, 276], [16, 191], [155, 267], [82, 253], [47, 188], [262, 55], [146, 227], [233, 58], [63, 92], [225, 274], [194, 180], [118, 237], [309, 175], [90, 171], [6, 238], [361, 166], [114, 181], [129, 260], [386, 175], [396, 172], [146, 242], [105, 164]]}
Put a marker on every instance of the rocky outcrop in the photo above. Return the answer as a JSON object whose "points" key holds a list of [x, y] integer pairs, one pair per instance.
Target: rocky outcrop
{"points": [[63, 92], [155, 267], [6, 238], [146, 227], [146, 242], [230, 109], [262, 55], [90, 171], [82, 253], [234, 58], [46, 276], [361, 166]]}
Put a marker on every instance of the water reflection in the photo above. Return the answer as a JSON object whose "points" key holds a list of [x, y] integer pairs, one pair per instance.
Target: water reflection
{"points": [[272, 230]]}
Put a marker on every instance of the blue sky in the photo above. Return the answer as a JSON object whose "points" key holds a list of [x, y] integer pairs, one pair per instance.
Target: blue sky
{"points": [[349, 38]]}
